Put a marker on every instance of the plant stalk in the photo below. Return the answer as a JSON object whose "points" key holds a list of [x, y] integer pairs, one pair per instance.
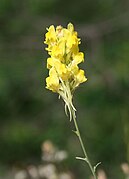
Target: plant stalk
{"points": [[86, 159], [67, 97]]}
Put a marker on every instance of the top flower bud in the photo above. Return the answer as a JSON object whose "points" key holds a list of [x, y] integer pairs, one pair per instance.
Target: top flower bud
{"points": [[64, 58]]}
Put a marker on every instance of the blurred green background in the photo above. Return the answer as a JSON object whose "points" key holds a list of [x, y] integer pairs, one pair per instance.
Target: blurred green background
{"points": [[30, 114]]}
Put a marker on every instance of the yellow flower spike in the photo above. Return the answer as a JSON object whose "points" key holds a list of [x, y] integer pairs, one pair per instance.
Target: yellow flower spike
{"points": [[64, 57], [64, 73]]}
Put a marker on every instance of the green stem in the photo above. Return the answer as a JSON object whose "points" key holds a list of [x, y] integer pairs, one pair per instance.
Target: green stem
{"points": [[67, 97], [83, 148]]}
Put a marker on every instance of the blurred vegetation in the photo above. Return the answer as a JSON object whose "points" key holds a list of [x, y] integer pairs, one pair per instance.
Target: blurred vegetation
{"points": [[29, 114]]}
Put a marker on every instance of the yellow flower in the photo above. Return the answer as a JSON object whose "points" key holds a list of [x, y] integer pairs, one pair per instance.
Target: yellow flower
{"points": [[62, 71], [53, 81], [63, 48], [50, 35], [78, 58], [58, 50], [81, 77]]}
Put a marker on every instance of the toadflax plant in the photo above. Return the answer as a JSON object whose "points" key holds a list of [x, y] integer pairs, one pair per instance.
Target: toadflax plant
{"points": [[64, 73]]}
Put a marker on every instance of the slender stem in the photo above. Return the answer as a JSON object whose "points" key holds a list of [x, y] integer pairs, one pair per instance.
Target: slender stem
{"points": [[82, 145], [67, 97]]}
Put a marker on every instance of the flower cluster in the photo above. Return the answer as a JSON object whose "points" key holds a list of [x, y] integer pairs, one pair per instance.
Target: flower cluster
{"points": [[65, 57], [64, 73]]}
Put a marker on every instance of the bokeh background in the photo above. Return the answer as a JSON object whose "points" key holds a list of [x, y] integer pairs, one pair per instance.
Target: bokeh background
{"points": [[30, 114]]}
